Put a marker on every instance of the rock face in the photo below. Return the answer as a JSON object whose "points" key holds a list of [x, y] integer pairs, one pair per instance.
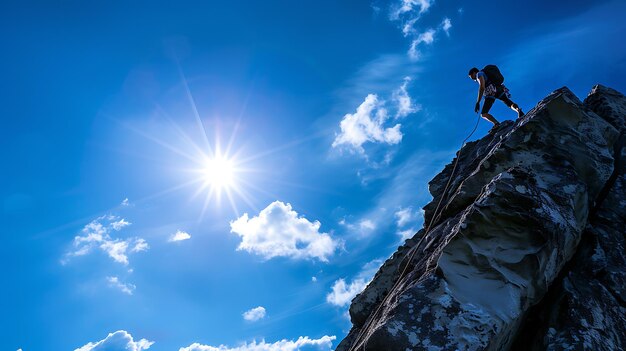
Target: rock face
{"points": [[527, 248]]}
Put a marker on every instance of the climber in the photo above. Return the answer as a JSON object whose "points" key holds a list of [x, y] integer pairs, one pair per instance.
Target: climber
{"points": [[490, 80]]}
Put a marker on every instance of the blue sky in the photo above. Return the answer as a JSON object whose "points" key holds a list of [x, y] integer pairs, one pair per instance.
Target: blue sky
{"points": [[184, 176]]}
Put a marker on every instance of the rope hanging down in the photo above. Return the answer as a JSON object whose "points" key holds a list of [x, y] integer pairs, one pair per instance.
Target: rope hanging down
{"points": [[435, 217]]}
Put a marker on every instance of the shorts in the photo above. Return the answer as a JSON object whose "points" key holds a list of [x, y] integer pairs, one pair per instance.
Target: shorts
{"points": [[501, 93]]}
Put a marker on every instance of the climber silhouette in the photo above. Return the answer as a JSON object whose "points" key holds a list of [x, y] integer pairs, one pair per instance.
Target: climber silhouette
{"points": [[491, 87]]}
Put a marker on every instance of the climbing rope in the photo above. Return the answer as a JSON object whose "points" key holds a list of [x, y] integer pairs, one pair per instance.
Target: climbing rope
{"points": [[433, 219]]}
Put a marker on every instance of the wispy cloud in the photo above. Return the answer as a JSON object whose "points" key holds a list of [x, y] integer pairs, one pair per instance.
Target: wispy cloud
{"points": [[402, 99], [254, 314], [119, 340], [278, 230], [380, 75], [342, 293], [139, 245], [125, 202], [118, 225], [407, 221], [405, 188], [404, 216], [321, 344], [179, 236], [126, 288], [404, 7], [446, 24], [97, 235], [408, 13], [427, 37], [362, 227]]}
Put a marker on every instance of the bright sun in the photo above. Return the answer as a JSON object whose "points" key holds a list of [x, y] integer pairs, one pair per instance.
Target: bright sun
{"points": [[219, 173], [220, 176]]}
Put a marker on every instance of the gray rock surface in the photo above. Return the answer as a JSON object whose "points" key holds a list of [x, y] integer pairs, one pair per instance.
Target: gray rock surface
{"points": [[586, 307], [514, 228]]}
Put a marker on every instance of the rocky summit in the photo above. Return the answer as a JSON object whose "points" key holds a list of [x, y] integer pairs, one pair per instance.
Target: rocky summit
{"points": [[523, 245]]}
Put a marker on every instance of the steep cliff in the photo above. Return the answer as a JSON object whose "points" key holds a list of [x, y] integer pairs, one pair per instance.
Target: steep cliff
{"points": [[526, 250]]}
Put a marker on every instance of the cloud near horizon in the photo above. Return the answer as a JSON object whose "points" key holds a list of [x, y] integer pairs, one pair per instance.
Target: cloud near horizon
{"points": [[119, 340], [278, 231], [322, 344]]}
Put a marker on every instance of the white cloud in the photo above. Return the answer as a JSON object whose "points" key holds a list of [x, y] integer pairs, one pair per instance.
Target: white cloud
{"points": [[407, 220], [363, 227], [446, 25], [408, 13], [116, 249], [314, 279], [406, 187], [404, 216], [120, 340], [118, 225], [126, 288], [403, 100], [427, 37], [367, 224], [179, 236], [321, 344], [140, 245], [125, 202], [406, 234], [254, 314], [97, 234], [380, 78], [407, 6], [367, 124], [278, 230], [409, 27], [342, 293]]}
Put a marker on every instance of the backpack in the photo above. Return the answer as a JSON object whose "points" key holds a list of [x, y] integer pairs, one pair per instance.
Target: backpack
{"points": [[493, 74]]}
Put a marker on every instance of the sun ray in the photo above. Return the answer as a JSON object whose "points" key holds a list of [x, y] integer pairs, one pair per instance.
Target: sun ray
{"points": [[260, 190], [231, 140], [284, 147], [156, 140], [194, 108], [232, 202], [180, 131], [207, 200], [246, 199]]}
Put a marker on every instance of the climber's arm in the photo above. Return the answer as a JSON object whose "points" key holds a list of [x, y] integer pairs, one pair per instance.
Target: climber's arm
{"points": [[481, 88]]}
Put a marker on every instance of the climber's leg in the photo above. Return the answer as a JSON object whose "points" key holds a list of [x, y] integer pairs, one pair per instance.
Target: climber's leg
{"points": [[513, 106], [484, 113]]}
